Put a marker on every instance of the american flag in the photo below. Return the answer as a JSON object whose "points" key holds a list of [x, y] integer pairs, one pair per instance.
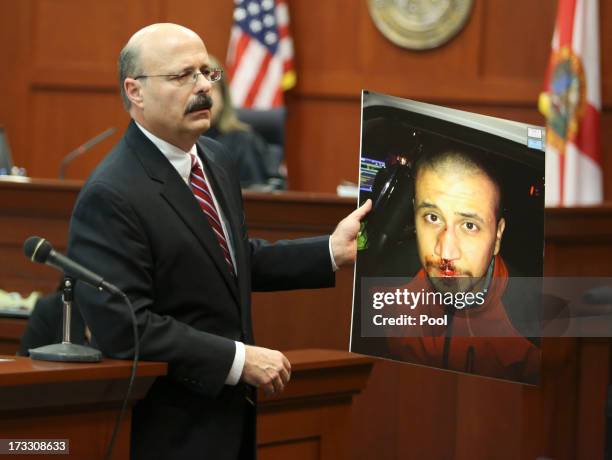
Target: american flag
{"points": [[260, 54]]}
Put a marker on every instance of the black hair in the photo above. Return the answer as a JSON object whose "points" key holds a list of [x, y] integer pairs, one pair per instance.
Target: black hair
{"points": [[437, 154]]}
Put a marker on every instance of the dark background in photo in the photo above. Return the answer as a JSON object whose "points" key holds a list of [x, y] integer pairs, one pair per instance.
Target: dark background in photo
{"points": [[392, 139]]}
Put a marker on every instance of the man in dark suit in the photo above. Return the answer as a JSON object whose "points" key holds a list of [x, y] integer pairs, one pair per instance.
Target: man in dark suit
{"points": [[162, 218]]}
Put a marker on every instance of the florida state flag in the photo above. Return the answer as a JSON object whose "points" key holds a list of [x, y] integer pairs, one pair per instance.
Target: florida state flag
{"points": [[572, 103]]}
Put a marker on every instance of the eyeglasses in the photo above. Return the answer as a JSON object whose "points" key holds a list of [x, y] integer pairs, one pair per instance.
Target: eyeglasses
{"points": [[212, 75]]}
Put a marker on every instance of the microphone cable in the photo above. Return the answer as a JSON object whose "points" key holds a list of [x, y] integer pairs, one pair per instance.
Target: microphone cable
{"points": [[135, 358], [39, 250]]}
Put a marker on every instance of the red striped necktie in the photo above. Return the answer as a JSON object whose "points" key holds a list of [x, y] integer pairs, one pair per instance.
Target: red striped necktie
{"points": [[201, 191]]}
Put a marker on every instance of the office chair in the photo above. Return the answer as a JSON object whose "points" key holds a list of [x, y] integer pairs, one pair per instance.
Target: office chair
{"points": [[269, 124]]}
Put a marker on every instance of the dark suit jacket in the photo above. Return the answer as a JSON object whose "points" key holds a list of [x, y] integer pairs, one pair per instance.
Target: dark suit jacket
{"points": [[137, 224]]}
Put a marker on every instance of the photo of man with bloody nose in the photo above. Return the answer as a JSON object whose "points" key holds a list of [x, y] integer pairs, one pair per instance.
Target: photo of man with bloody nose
{"points": [[450, 260], [459, 227], [458, 220]]}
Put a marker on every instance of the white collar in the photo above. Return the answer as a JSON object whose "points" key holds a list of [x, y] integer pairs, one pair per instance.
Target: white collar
{"points": [[178, 158]]}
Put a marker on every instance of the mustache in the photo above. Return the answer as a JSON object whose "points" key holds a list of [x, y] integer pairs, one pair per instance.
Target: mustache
{"points": [[445, 265], [199, 102]]}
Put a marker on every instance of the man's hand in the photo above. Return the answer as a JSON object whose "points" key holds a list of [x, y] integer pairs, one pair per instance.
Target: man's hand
{"points": [[344, 238], [269, 369]]}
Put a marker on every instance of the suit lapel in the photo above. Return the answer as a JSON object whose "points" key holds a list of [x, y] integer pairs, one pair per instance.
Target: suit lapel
{"points": [[180, 198]]}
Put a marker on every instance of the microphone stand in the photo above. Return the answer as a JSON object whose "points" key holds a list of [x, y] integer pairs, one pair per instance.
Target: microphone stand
{"points": [[66, 351], [80, 150]]}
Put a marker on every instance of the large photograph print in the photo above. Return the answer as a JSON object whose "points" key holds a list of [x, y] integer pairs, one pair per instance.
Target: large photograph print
{"points": [[450, 258]]}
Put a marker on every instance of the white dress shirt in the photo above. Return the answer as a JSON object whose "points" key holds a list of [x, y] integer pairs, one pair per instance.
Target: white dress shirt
{"points": [[181, 161]]}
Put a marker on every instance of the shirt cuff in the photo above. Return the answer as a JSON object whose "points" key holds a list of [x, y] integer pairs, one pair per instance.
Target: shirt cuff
{"points": [[236, 370], [331, 256]]}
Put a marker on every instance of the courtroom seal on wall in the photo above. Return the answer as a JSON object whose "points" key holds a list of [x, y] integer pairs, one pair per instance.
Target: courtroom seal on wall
{"points": [[419, 24]]}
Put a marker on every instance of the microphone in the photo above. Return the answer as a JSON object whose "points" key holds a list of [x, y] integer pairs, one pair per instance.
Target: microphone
{"points": [[66, 351], [81, 149], [39, 250]]}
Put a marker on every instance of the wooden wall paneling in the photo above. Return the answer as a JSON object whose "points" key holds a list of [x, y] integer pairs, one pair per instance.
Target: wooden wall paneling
{"points": [[9, 29], [595, 359], [605, 42], [350, 54], [486, 61], [77, 79], [21, 275], [211, 19], [311, 419], [606, 143], [67, 68], [516, 40], [480, 404], [423, 74], [294, 325], [576, 241], [307, 448], [54, 111], [69, 48], [329, 42], [384, 384], [85, 36], [511, 42], [316, 160], [562, 404], [428, 431], [568, 254], [15, 49], [78, 401], [42, 209], [555, 404], [11, 331]]}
